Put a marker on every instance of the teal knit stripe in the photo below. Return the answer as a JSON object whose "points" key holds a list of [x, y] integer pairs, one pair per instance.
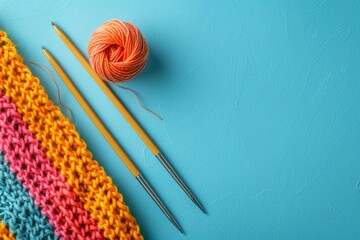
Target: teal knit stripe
{"points": [[18, 210]]}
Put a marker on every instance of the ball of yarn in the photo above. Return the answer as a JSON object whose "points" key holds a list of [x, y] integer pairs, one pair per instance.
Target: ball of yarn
{"points": [[117, 51]]}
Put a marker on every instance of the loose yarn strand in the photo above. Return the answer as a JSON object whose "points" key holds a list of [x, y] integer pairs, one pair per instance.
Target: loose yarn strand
{"points": [[138, 100], [75, 193], [57, 87]]}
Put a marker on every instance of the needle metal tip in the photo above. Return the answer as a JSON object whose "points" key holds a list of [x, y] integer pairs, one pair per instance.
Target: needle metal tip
{"points": [[197, 203], [178, 227], [176, 224], [42, 48], [158, 201], [177, 178], [52, 24]]}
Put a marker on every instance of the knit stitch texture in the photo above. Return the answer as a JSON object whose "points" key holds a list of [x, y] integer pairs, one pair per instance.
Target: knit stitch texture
{"points": [[46, 186], [58, 151], [18, 209], [5, 233]]}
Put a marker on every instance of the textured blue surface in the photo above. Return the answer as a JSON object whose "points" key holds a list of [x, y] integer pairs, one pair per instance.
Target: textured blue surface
{"points": [[260, 101]]}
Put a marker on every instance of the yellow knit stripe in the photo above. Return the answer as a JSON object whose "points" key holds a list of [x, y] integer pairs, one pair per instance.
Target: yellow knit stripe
{"points": [[64, 147], [5, 232]]}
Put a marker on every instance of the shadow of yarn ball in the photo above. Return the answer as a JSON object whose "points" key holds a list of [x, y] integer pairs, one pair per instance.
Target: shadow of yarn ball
{"points": [[154, 70]]}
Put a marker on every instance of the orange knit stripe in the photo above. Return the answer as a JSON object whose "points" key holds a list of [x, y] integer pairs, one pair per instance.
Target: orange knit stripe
{"points": [[5, 233], [65, 149]]}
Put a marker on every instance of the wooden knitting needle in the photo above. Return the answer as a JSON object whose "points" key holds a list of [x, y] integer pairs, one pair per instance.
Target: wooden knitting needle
{"points": [[107, 135], [129, 118]]}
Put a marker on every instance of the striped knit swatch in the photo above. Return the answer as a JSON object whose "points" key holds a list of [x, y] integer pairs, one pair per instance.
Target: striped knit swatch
{"points": [[45, 185], [18, 210], [5, 234], [47, 155]]}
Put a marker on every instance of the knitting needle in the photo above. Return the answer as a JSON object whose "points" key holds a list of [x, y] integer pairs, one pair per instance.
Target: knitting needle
{"points": [[129, 118], [107, 135]]}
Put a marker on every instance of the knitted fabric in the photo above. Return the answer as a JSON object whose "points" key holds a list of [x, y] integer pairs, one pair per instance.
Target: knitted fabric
{"points": [[18, 210], [5, 234], [63, 151], [46, 186]]}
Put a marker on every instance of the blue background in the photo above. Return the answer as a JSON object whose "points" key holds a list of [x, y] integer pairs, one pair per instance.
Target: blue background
{"points": [[260, 101]]}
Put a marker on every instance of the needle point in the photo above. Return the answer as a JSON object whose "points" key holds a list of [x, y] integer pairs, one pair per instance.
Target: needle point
{"points": [[202, 208], [179, 228], [52, 24], [157, 200], [176, 224], [177, 178], [197, 203]]}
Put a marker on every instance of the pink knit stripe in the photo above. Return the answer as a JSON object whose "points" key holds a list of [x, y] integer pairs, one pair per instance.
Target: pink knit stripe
{"points": [[46, 186]]}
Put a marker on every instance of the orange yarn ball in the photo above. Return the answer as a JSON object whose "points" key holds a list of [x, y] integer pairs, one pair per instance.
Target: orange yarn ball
{"points": [[117, 51]]}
